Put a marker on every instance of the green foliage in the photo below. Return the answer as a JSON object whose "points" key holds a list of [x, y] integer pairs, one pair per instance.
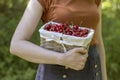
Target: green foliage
{"points": [[14, 68], [111, 32], [111, 41]]}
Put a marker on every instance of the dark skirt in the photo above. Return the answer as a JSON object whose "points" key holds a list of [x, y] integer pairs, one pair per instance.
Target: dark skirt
{"points": [[91, 71]]}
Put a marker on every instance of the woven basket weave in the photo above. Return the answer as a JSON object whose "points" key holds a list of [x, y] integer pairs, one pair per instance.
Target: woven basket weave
{"points": [[61, 42], [52, 45]]}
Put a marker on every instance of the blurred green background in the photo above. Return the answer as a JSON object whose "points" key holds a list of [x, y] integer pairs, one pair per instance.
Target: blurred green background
{"points": [[14, 68]]}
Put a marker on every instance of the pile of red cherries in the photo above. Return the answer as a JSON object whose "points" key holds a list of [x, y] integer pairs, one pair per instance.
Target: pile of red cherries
{"points": [[72, 30]]}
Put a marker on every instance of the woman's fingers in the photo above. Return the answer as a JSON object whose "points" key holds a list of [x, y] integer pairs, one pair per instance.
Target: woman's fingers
{"points": [[83, 58], [80, 50], [80, 66], [80, 63], [75, 58]]}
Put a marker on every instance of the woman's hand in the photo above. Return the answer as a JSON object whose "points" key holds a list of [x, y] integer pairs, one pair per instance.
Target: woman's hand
{"points": [[75, 58]]}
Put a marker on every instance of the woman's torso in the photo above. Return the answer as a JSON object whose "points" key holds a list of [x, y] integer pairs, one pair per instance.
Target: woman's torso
{"points": [[79, 12]]}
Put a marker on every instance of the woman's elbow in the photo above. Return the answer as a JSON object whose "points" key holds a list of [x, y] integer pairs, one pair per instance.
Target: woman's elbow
{"points": [[13, 47]]}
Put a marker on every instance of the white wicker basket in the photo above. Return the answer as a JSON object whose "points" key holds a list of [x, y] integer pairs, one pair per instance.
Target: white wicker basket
{"points": [[61, 42]]}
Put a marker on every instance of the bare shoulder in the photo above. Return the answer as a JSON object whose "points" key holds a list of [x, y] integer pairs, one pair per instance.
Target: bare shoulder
{"points": [[29, 21], [34, 4], [99, 26]]}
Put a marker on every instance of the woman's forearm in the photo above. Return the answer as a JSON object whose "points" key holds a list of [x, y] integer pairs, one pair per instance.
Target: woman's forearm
{"points": [[103, 60], [34, 53], [101, 46], [20, 44]]}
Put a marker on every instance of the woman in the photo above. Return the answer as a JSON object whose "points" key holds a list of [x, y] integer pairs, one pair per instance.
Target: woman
{"points": [[81, 67]]}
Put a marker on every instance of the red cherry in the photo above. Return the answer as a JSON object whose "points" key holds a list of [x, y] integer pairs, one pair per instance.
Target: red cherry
{"points": [[68, 29], [85, 31], [85, 36], [65, 29], [48, 27], [64, 25], [69, 33], [76, 33], [61, 26], [80, 30], [75, 27], [61, 30], [81, 34]]}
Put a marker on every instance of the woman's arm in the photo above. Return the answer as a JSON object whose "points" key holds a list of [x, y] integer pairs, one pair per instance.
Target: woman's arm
{"points": [[101, 48], [23, 48], [20, 46]]}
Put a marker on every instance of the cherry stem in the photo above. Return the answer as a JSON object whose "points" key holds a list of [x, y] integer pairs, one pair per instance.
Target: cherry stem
{"points": [[81, 23]]}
